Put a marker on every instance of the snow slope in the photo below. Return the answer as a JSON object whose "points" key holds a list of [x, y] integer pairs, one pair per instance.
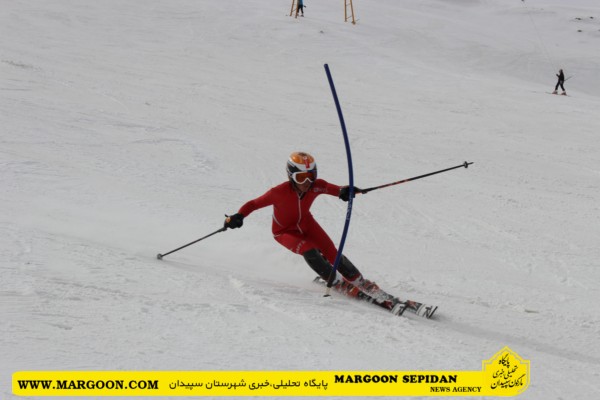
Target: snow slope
{"points": [[130, 128]]}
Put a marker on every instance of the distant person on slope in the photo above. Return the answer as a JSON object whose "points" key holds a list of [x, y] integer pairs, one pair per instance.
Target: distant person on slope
{"points": [[300, 8], [561, 82], [295, 228]]}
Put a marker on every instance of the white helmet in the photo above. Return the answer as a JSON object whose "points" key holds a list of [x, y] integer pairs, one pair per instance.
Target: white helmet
{"points": [[301, 167]]}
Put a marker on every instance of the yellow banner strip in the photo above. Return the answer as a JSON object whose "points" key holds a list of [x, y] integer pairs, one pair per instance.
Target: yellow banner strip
{"points": [[504, 375]]}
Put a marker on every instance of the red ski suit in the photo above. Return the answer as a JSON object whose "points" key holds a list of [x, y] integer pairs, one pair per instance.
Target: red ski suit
{"points": [[294, 227]]}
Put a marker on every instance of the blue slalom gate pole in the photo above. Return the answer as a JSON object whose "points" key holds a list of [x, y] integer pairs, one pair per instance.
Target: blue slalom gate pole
{"points": [[351, 179]]}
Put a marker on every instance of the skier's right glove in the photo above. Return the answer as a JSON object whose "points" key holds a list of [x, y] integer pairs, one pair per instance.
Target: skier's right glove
{"points": [[234, 221]]}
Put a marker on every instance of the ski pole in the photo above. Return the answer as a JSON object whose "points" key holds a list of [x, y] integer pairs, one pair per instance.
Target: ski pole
{"points": [[465, 165], [160, 256]]}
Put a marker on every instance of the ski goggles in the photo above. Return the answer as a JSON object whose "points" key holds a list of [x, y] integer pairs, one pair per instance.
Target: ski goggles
{"points": [[302, 177]]}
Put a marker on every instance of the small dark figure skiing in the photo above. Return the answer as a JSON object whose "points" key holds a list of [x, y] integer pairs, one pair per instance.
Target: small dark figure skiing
{"points": [[561, 83], [300, 8]]}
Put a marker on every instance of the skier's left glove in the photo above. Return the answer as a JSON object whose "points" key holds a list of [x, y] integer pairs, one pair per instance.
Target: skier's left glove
{"points": [[234, 221], [345, 192]]}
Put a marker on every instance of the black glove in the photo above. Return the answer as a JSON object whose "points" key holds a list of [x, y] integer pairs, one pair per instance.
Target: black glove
{"points": [[234, 221], [345, 192]]}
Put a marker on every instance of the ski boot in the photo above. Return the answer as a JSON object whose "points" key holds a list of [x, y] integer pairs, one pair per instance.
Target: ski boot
{"points": [[372, 289], [346, 288]]}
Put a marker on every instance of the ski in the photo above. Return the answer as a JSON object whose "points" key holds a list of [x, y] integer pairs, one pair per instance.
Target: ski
{"points": [[384, 300]]}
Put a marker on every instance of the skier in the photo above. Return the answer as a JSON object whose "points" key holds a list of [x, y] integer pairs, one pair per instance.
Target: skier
{"points": [[300, 8], [561, 82], [295, 228]]}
